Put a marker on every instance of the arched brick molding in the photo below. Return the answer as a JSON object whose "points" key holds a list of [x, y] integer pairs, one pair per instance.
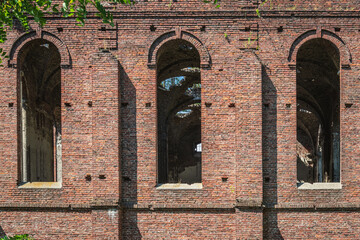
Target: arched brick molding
{"points": [[205, 60], [39, 34], [345, 55]]}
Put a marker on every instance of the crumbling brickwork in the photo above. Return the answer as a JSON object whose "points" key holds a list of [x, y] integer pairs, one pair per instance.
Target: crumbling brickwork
{"points": [[249, 188]]}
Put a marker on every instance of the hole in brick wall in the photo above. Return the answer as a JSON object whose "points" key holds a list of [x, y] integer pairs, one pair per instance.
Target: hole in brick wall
{"points": [[90, 103], [227, 38], [102, 176], [67, 104], [207, 104], [60, 29], [337, 29], [203, 28], [174, 0], [345, 66], [126, 179], [224, 179], [124, 104], [90, 66], [280, 29], [103, 29], [152, 28], [247, 29], [266, 105], [11, 104], [288, 105], [348, 105], [267, 179], [220, 70], [232, 105], [18, 26], [105, 50], [148, 105], [88, 177]]}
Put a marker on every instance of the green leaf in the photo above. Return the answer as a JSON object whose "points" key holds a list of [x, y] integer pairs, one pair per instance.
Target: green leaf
{"points": [[55, 8], [258, 12]]}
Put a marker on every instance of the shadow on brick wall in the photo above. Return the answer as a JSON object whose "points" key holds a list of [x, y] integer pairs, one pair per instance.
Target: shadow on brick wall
{"points": [[2, 232], [269, 138], [128, 152]]}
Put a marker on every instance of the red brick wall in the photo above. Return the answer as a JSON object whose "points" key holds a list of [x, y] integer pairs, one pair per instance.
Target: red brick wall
{"points": [[185, 224], [252, 144], [61, 223], [314, 225]]}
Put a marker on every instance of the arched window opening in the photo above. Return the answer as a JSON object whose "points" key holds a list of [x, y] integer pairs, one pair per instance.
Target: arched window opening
{"points": [[318, 112], [39, 108], [179, 113]]}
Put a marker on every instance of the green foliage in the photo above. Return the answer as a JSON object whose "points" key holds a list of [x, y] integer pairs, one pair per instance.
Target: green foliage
{"points": [[258, 10], [18, 237], [2, 56], [22, 10], [37, 9], [215, 2]]}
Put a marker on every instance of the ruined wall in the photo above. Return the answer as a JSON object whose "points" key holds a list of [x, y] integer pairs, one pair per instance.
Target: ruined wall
{"points": [[248, 127]]}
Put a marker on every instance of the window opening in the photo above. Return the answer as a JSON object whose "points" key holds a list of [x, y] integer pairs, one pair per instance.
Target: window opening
{"points": [[318, 112], [167, 84], [198, 148], [40, 115], [191, 69], [183, 113], [179, 113]]}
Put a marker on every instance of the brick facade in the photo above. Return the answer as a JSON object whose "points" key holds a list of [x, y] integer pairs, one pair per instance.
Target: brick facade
{"points": [[248, 126]]}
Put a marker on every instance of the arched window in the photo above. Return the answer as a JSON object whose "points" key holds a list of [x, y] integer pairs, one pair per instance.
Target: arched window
{"points": [[318, 112], [39, 111], [179, 113]]}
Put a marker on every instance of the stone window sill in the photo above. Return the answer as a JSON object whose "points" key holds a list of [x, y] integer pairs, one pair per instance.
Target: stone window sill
{"points": [[179, 186], [319, 186], [41, 185]]}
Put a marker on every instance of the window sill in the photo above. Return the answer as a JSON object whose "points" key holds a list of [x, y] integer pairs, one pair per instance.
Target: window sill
{"points": [[179, 186], [41, 185], [319, 186]]}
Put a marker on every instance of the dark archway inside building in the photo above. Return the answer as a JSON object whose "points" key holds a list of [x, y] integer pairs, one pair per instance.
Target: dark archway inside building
{"points": [[39, 110], [179, 113], [318, 112]]}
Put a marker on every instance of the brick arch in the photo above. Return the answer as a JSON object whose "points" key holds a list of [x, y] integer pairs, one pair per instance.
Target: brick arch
{"points": [[33, 35], [345, 55], [205, 60]]}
